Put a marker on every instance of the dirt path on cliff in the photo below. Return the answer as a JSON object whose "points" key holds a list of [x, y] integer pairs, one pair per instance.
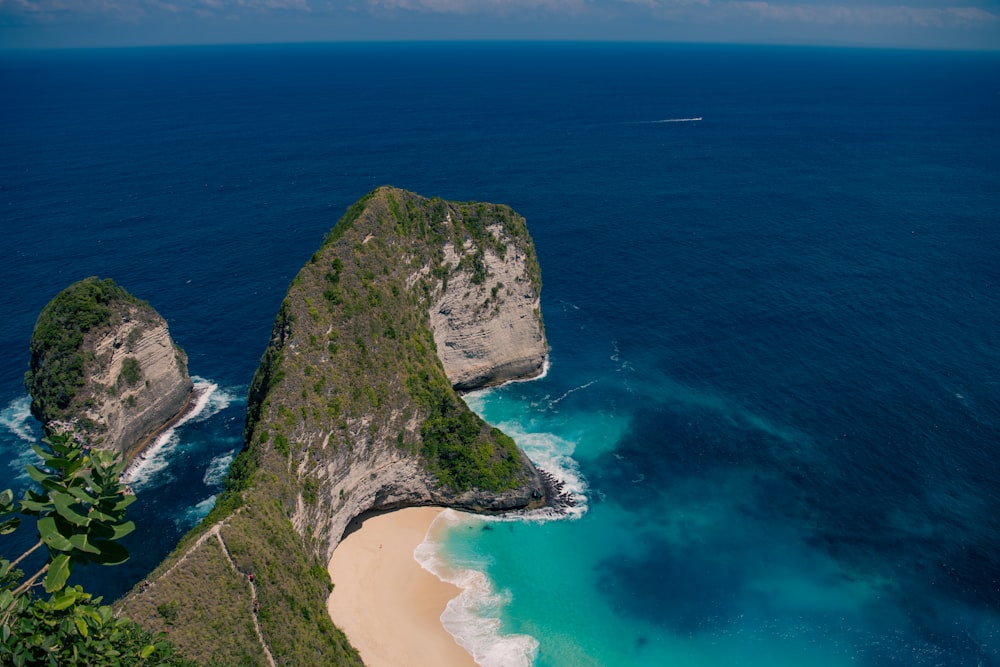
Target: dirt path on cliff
{"points": [[216, 531]]}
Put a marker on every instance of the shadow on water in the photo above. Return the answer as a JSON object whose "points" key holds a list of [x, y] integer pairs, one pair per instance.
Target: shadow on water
{"points": [[722, 504], [651, 585]]}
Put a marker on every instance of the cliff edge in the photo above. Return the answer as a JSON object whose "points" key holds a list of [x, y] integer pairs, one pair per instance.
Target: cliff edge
{"points": [[353, 409], [407, 299], [103, 365]]}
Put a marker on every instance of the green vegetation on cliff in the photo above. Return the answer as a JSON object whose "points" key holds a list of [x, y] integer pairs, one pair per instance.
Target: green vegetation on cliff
{"points": [[363, 300], [57, 359], [103, 365], [349, 391]]}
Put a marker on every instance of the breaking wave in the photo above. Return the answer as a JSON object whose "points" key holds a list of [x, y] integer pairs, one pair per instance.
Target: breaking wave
{"points": [[154, 459], [217, 469], [472, 618], [19, 428], [16, 418], [192, 515]]}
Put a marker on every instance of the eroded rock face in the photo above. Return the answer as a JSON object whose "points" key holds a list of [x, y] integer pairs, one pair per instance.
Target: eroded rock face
{"points": [[408, 299], [353, 409], [489, 333], [104, 366]]}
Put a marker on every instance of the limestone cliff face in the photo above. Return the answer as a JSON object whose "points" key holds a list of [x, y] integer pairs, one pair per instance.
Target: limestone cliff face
{"points": [[104, 365], [353, 409], [489, 333], [408, 298]]}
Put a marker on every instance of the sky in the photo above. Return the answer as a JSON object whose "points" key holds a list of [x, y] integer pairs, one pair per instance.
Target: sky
{"points": [[931, 24]]}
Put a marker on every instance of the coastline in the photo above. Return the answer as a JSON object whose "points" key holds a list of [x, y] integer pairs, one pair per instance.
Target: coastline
{"points": [[385, 602], [140, 455]]}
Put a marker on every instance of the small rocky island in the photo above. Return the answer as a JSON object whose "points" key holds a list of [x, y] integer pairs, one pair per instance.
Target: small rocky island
{"points": [[353, 410], [103, 365]]}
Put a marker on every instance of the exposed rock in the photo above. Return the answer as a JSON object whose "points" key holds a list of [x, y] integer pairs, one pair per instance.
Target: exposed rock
{"points": [[104, 366], [353, 410], [361, 398], [489, 333]]}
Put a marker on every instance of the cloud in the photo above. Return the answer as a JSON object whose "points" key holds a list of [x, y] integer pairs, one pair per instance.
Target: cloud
{"points": [[862, 15], [470, 7], [133, 8], [588, 17], [863, 12]]}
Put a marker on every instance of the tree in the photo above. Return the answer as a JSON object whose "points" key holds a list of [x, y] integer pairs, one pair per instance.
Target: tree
{"points": [[80, 504]]}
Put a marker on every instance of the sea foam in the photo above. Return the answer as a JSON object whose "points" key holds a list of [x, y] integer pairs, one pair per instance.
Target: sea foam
{"points": [[19, 428], [145, 468], [190, 516], [551, 454], [217, 468], [16, 418], [472, 618]]}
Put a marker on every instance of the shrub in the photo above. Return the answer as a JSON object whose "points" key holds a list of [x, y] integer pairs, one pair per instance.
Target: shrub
{"points": [[131, 371]]}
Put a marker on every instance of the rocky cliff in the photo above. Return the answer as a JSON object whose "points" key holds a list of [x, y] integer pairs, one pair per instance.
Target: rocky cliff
{"points": [[103, 364], [353, 410], [407, 299], [487, 326]]}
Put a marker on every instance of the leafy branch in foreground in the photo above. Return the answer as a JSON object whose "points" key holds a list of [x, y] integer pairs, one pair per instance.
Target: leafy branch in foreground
{"points": [[80, 505]]}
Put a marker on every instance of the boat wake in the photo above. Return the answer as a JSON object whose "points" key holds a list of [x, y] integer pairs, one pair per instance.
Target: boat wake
{"points": [[554, 402], [671, 120]]}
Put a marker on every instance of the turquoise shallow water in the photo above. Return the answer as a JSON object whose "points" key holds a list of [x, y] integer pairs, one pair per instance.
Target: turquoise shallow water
{"points": [[702, 578], [775, 358]]}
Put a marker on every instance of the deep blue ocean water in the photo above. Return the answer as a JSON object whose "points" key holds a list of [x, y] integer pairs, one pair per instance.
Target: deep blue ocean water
{"points": [[775, 331]]}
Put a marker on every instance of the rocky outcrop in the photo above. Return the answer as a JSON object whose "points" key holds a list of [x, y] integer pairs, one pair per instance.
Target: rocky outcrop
{"points": [[353, 409], [407, 299], [491, 332], [104, 366]]}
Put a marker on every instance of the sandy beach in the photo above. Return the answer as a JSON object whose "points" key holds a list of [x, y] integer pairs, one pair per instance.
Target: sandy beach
{"points": [[386, 603]]}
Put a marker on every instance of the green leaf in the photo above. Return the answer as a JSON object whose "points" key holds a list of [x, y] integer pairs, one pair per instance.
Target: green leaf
{"points": [[58, 463], [121, 530], [34, 506], [82, 494], [81, 542], [64, 505], [146, 651], [98, 517], [112, 553], [64, 599], [69, 470], [58, 573], [51, 536], [81, 625], [8, 526], [123, 503], [104, 615], [36, 474]]}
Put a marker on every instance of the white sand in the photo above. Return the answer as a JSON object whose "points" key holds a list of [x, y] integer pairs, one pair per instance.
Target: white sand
{"points": [[387, 604]]}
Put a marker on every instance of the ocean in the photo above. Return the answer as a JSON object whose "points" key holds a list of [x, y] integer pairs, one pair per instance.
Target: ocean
{"points": [[771, 291]]}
